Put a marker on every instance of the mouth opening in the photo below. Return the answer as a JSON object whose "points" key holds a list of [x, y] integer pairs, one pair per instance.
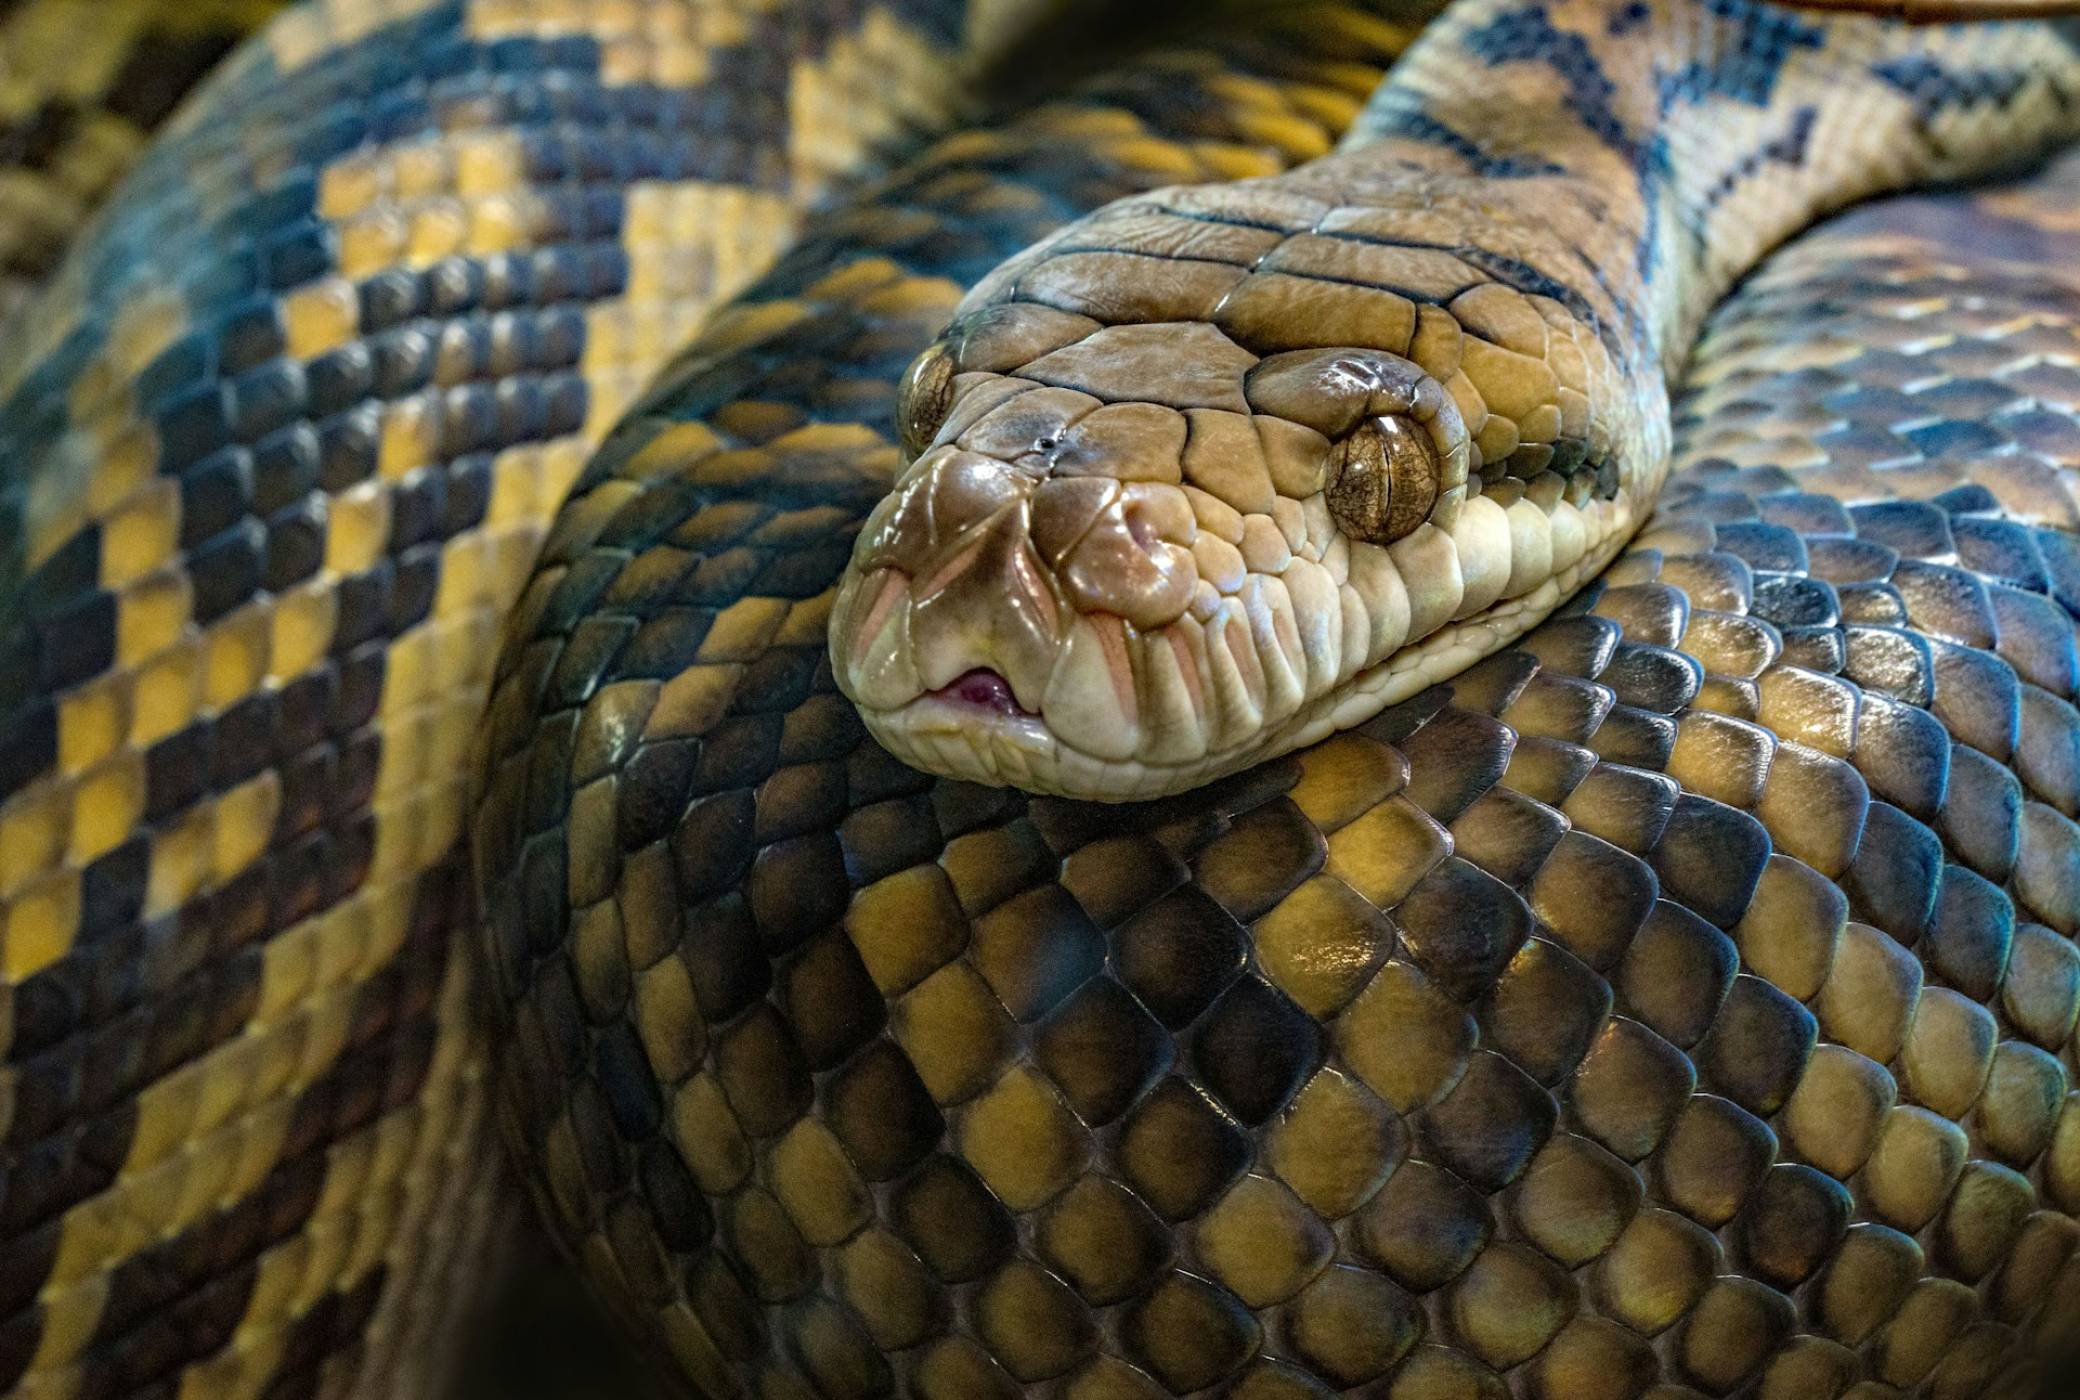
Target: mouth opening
{"points": [[983, 689]]}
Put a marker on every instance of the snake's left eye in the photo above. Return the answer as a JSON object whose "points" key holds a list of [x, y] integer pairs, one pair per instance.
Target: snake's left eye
{"points": [[1382, 479], [923, 398]]}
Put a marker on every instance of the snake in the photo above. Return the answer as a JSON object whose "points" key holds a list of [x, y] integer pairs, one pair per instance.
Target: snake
{"points": [[1678, 995], [83, 87]]}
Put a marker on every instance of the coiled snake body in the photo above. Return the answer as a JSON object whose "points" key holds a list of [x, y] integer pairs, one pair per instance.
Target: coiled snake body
{"points": [[1679, 1000]]}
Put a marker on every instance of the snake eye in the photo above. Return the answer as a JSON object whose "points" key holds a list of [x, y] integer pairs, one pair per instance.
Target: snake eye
{"points": [[923, 398], [1382, 479]]}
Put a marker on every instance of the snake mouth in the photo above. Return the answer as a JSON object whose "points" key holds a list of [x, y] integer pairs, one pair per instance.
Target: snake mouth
{"points": [[982, 690]]}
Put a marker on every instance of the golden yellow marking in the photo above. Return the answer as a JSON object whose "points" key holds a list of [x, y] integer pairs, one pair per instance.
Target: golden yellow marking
{"points": [[95, 1231], [501, 222], [1282, 132], [808, 621], [741, 630], [610, 398], [465, 565], [241, 1371], [738, 327], [165, 1116], [285, 973], [816, 1185], [408, 440], [151, 615], [372, 242], [670, 1022], [352, 184], [672, 447], [695, 1351], [245, 820], [320, 317], [513, 556], [33, 826], [1021, 1140], [438, 228], [91, 722], [673, 282], [124, 463], [166, 695], [838, 109], [422, 169], [222, 1095], [39, 927], [914, 296], [142, 535], [235, 655], [303, 625], [147, 323], [488, 162], [584, 517], [515, 487], [106, 809], [705, 1131], [94, 394], [180, 858], [276, 1282], [358, 528], [692, 701], [70, 1317]]}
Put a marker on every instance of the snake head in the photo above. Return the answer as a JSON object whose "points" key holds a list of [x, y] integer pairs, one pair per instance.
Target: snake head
{"points": [[1134, 550]]}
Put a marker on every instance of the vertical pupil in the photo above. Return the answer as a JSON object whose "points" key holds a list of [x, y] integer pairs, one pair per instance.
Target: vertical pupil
{"points": [[1385, 481]]}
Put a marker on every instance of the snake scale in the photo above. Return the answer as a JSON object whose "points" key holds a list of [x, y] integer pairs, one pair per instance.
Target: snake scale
{"points": [[1678, 1001]]}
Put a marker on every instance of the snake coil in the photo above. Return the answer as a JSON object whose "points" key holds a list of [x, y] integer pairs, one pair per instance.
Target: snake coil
{"points": [[1678, 1000]]}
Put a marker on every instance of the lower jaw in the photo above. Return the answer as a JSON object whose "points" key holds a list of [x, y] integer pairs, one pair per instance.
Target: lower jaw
{"points": [[1021, 753]]}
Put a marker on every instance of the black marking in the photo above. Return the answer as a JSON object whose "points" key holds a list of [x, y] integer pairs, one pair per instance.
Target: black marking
{"points": [[1786, 149], [1400, 113], [161, 69], [1934, 89], [1746, 64], [34, 142], [1530, 36]]}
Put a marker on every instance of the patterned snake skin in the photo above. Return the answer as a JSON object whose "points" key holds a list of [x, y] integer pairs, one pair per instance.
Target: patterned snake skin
{"points": [[845, 1081], [1679, 1002], [83, 85], [276, 447]]}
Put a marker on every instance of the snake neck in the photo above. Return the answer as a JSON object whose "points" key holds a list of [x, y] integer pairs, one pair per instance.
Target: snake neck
{"points": [[1669, 144]]}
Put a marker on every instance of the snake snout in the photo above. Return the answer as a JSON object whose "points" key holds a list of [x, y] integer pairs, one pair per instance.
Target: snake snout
{"points": [[1132, 558]]}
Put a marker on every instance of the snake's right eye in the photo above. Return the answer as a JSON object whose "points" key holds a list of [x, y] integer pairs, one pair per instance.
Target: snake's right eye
{"points": [[923, 398], [1382, 479]]}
